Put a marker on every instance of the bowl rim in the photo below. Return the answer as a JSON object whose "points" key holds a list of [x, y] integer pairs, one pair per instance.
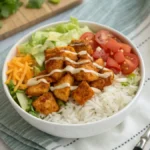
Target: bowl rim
{"points": [[28, 35]]}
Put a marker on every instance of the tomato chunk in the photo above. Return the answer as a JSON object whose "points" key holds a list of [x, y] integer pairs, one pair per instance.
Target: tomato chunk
{"points": [[100, 54], [127, 67], [130, 64], [126, 48], [112, 46], [102, 37], [119, 57], [111, 63], [93, 44], [89, 36], [133, 58]]}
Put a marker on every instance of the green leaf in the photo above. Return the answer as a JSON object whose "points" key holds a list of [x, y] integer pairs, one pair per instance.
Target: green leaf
{"points": [[11, 85], [125, 83], [1, 24], [60, 103], [131, 76], [34, 113], [5, 11], [35, 3], [8, 7], [54, 1]]}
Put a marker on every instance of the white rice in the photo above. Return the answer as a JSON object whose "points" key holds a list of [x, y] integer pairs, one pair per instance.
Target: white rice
{"points": [[102, 105]]}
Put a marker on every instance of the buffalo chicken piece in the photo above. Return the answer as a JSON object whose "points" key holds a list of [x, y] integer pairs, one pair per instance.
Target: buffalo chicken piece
{"points": [[47, 78], [102, 82], [99, 84], [83, 93], [67, 51], [86, 76], [46, 104], [37, 90], [52, 65], [64, 93], [100, 62], [82, 45], [78, 63]]}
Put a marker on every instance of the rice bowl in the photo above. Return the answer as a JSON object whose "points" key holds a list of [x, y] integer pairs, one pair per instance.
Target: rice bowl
{"points": [[110, 102]]}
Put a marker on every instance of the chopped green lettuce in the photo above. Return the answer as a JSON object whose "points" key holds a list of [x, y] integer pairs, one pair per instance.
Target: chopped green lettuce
{"points": [[60, 35], [60, 103], [22, 99], [30, 108], [132, 78]]}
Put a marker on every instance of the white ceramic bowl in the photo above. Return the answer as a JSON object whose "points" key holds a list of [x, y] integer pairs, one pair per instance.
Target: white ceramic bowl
{"points": [[75, 130]]}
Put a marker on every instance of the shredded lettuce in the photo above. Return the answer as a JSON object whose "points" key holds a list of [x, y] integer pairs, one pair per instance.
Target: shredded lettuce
{"points": [[132, 79], [60, 35], [60, 102], [30, 108]]}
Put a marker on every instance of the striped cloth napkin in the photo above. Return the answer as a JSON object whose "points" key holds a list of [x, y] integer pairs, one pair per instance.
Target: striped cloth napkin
{"points": [[123, 15]]}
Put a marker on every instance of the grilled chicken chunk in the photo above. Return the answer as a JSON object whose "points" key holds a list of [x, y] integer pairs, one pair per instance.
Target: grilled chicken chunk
{"points": [[64, 93], [37, 90], [83, 93], [46, 104]]}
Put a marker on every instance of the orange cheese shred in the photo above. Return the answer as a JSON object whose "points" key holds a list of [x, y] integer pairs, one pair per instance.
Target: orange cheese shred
{"points": [[20, 71], [22, 77]]}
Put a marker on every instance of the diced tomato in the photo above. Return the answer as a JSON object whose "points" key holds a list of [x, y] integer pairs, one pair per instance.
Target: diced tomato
{"points": [[119, 57], [111, 63], [100, 54], [127, 67], [102, 37], [89, 36], [126, 48], [93, 44], [130, 64], [133, 58], [112, 46]]}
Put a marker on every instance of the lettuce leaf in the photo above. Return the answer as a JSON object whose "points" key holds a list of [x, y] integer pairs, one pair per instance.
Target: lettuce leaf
{"points": [[132, 79], [60, 35]]}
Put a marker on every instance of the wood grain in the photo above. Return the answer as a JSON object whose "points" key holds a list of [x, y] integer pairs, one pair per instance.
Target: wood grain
{"points": [[25, 17]]}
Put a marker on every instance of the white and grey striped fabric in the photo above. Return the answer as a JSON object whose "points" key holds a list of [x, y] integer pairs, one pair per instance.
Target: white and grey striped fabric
{"points": [[129, 17]]}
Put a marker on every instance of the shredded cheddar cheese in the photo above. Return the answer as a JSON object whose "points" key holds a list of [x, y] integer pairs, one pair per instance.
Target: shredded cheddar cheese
{"points": [[20, 71]]}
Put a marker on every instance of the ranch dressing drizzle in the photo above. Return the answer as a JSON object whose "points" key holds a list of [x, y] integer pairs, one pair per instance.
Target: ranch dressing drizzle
{"points": [[74, 53], [75, 71], [72, 70], [61, 86], [35, 82], [67, 51], [64, 85], [68, 59], [77, 63], [84, 53], [100, 67], [54, 58]]}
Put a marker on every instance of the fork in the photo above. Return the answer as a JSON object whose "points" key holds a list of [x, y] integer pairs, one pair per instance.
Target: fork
{"points": [[143, 140]]}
